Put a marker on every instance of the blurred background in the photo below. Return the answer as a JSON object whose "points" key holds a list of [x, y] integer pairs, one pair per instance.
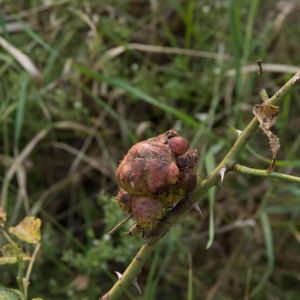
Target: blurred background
{"points": [[82, 81]]}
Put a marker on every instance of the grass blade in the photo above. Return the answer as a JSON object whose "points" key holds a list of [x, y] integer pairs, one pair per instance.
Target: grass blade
{"points": [[22, 58], [20, 110], [269, 253], [139, 95]]}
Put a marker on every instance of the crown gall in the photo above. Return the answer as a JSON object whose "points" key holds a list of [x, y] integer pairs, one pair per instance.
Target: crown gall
{"points": [[147, 211], [178, 145], [153, 176]]}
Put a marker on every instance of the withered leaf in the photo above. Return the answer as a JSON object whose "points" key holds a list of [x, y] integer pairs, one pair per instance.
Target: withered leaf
{"points": [[29, 230], [11, 253], [8, 260], [267, 116]]}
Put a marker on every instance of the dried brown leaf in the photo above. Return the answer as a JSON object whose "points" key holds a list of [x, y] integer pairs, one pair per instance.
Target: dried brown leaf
{"points": [[267, 116]]}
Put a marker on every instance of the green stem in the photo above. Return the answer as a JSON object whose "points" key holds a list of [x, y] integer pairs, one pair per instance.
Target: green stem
{"points": [[29, 269], [259, 172], [20, 276], [185, 205], [131, 272]]}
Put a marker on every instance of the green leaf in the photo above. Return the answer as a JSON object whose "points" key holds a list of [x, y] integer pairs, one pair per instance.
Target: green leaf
{"points": [[10, 294]]}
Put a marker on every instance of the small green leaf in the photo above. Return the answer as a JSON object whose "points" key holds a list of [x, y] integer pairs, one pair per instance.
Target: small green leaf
{"points": [[10, 294]]}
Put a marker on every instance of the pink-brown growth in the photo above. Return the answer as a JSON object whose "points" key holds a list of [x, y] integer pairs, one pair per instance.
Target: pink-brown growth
{"points": [[147, 211], [178, 145], [188, 180], [124, 200], [154, 175]]}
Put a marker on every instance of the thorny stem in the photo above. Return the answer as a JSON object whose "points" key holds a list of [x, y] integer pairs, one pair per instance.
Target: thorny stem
{"points": [[259, 172], [186, 204]]}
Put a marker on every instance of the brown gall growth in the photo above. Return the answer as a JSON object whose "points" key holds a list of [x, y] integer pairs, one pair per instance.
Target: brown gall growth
{"points": [[188, 159], [147, 168], [147, 211], [154, 175], [124, 200], [188, 180], [178, 145]]}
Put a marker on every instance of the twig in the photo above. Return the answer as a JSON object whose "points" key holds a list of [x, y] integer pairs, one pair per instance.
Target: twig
{"points": [[259, 172], [29, 269], [187, 203]]}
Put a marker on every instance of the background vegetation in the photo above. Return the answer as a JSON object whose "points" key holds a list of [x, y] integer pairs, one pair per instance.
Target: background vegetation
{"points": [[101, 91]]}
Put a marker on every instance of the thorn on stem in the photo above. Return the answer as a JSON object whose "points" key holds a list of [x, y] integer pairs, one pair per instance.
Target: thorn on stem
{"points": [[198, 209], [222, 173], [119, 275], [137, 286], [239, 132]]}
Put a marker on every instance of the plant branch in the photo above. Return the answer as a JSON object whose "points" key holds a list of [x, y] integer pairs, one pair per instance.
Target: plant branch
{"points": [[29, 269], [185, 205], [259, 172]]}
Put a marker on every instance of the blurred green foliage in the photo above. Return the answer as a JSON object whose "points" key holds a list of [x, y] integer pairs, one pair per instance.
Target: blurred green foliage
{"points": [[95, 102]]}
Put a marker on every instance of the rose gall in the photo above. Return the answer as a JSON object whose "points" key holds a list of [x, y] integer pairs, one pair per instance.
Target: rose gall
{"points": [[153, 176], [178, 145], [147, 211]]}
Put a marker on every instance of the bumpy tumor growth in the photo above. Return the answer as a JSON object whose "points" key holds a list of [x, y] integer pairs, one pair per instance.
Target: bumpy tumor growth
{"points": [[154, 175]]}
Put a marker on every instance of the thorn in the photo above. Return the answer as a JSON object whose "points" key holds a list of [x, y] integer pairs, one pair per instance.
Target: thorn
{"points": [[119, 225], [238, 131], [137, 286], [222, 173], [134, 282], [119, 275], [198, 209]]}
